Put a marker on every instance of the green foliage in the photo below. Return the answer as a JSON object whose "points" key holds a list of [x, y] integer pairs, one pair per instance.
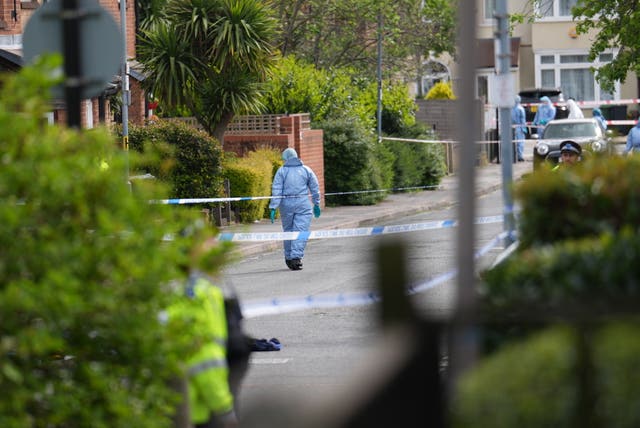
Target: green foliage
{"points": [[441, 91], [250, 176], [330, 33], [298, 87], [187, 159], [602, 270], [354, 161], [417, 164], [600, 195], [398, 106], [533, 383], [617, 26], [82, 275], [212, 56]]}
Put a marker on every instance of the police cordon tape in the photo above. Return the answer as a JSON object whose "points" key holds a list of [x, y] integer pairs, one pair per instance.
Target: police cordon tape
{"points": [[348, 233], [186, 201], [281, 305]]}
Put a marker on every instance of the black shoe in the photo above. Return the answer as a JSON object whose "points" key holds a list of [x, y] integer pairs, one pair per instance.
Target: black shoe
{"points": [[520, 160], [294, 264]]}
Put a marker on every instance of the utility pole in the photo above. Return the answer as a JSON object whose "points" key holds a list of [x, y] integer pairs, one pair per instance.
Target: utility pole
{"points": [[124, 73], [505, 103]]}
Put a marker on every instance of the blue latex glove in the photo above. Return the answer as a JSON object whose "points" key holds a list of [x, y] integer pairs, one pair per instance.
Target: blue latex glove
{"points": [[272, 214], [316, 211]]}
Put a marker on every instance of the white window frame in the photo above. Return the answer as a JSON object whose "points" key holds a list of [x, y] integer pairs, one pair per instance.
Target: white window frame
{"points": [[555, 14], [557, 66], [488, 10]]}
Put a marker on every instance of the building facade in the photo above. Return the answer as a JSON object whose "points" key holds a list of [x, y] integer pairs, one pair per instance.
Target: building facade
{"points": [[546, 52], [14, 15]]}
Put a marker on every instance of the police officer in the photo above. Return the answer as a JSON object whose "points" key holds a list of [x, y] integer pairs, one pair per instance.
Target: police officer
{"points": [[198, 315], [570, 153]]}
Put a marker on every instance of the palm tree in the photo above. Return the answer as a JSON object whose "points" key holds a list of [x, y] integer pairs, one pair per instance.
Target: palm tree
{"points": [[212, 56]]}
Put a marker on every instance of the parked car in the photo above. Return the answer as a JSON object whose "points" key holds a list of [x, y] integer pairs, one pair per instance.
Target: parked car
{"points": [[585, 132], [532, 96]]}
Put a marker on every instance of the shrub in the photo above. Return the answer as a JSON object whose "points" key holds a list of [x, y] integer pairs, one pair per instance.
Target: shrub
{"points": [[441, 91], [82, 275], [601, 195], [186, 158], [599, 271], [417, 164], [534, 383], [354, 161], [251, 176], [398, 106]]}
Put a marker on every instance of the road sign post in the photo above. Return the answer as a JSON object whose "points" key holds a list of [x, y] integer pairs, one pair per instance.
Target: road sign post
{"points": [[88, 38]]}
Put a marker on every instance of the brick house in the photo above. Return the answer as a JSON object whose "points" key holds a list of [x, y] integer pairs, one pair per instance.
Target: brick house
{"points": [[14, 14]]}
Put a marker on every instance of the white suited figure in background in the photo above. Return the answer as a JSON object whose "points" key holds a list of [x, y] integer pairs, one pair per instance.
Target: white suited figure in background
{"points": [[575, 112], [291, 187]]}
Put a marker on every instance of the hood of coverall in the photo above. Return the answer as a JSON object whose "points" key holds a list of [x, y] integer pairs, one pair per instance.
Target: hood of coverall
{"points": [[289, 154]]}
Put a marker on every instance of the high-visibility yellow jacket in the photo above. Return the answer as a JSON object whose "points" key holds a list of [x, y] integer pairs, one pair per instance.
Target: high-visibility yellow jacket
{"points": [[201, 312]]}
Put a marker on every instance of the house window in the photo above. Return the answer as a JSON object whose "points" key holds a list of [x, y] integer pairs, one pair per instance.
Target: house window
{"points": [[555, 8], [572, 73], [489, 10], [433, 72]]}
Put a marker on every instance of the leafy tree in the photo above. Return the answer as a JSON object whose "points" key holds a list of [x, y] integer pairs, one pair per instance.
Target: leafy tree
{"points": [[212, 56], [299, 87], [83, 274], [338, 93], [332, 33]]}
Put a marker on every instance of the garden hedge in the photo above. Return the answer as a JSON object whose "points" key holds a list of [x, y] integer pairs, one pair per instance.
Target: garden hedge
{"points": [[84, 274]]}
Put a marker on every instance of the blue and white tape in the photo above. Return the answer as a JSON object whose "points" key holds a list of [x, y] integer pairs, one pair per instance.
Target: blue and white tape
{"points": [[281, 305], [349, 233], [187, 201]]}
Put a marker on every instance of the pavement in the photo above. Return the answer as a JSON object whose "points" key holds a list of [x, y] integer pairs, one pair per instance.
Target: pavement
{"points": [[488, 178]]}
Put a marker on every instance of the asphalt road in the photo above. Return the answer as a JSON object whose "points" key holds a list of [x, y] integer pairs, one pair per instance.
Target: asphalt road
{"points": [[325, 350]]}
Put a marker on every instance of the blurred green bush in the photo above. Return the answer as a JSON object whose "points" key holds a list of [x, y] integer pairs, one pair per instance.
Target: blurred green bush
{"points": [[534, 382], [84, 270]]}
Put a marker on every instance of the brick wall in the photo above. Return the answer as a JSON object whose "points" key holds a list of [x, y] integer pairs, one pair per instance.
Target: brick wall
{"points": [[442, 116], [310, 148], [294, 132], [137, 108], [11, 30], [113, 7], [242, 144]]}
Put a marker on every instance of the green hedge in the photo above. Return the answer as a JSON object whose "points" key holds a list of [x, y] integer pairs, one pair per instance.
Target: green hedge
{"points": [[354, 161], [417, 164], [83, 275], [188, 159], [599, 195], [251, 176], [534, 383], [595, 271], [577, 259]]}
